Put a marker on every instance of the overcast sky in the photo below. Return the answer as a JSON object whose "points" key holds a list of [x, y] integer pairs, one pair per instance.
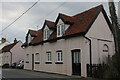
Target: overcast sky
{"points": [[36, 16]]}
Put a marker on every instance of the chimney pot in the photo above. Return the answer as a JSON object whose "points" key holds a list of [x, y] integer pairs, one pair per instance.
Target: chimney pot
{"points": [[15, 40]]}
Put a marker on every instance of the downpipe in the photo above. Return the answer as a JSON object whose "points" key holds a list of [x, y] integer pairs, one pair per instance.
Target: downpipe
{"points": [[90, 48]]}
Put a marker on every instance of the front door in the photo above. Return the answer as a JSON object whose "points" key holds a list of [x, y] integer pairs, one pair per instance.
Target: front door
{"points": [[32, 61], [76, 65]]}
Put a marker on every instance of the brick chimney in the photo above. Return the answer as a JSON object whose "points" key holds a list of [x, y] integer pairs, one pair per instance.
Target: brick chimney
{"points": [[15, 40], [3, 40]]}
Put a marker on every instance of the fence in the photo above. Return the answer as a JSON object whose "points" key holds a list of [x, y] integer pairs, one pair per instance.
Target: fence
{"points": [[98, 70]]}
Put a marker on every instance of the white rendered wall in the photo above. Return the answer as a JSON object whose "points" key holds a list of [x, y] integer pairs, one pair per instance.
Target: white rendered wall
{"points": [[100, 34]]}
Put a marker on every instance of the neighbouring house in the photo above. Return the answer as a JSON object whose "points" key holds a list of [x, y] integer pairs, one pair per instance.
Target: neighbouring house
{"points": [[67, 45], [12, 52], [3, 42]]}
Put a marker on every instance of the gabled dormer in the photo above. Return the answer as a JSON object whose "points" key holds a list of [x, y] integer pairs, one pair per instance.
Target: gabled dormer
{"points": [[60, 28], [48, 29], [31, 35], [46, 32], [63, 22]]}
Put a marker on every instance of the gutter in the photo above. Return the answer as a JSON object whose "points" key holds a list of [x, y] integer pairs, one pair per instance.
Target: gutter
{"points": [[90, 48]]}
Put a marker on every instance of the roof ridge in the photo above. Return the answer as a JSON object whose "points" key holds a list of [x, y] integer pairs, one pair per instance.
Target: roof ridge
{"points": [[49, 21], [32, 30], [99, 6], [64, 15]]}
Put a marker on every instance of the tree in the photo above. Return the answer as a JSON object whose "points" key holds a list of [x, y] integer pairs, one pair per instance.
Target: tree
{"points": [[115, 28], [113, 70]]}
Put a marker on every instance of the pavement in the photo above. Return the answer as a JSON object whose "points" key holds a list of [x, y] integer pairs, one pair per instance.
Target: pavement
{"points": [[21, 74]]}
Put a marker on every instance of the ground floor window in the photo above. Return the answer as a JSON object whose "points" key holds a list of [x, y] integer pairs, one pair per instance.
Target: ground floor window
{"points": [[27, 58], [49, 56], [59, 56], [37, 57]]}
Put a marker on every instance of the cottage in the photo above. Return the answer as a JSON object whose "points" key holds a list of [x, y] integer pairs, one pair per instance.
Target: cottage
{"points": [[12, 52], [3, 42], [67, 45]]}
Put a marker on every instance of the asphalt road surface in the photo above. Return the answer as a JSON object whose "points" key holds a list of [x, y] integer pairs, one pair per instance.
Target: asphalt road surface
{"points": [[19, 74]]}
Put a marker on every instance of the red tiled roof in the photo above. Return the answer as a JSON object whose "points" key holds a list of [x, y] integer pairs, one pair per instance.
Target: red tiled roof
{"points": [[50, 24], [9, 47], [80, 23], [65, 18], [39, 38], [33, 32]]}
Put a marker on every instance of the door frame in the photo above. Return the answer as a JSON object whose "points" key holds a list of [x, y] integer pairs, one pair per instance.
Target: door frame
{"points": [[32, 61], [79, 64]]}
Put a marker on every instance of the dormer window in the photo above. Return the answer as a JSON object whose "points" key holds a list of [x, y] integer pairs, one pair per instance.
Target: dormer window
{"points": [[60, 30], [29, 38], [46, 34]]}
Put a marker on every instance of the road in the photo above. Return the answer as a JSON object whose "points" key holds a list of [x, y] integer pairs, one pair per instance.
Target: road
{"points": [[19, 74]]}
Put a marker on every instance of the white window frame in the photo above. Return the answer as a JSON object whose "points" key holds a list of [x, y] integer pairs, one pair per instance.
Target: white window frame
{"points": [[60, 30], [27, 57], [49, 56], [37, 57], [46, 34], [59, 56]]}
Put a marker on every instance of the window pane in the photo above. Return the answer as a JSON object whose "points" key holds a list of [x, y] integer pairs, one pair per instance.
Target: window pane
{"points": [[48, 56], [47, 34], [62, 29], [58, 30], [44, 34], [59, 56], [37, 57], [76, 57]]}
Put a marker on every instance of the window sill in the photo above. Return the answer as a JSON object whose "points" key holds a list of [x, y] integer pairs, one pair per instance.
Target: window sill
{"points": [[37, 62], [48, 62], [58, 62], [59, 35], [27, 61]]}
